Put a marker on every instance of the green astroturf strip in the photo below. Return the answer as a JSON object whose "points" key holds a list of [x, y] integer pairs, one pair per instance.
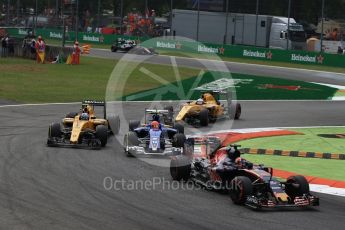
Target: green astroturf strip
{"points": [[249, 88], [326, 168], [309, 142]]}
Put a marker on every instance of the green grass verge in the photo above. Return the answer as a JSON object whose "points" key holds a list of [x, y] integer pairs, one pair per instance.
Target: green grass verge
{"points": [[331, 169], [309, 142], [25, 81], [324, 168]]}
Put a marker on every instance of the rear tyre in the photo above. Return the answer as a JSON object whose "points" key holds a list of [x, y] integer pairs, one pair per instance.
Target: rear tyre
{"points": [[180, 168], [203, 117], [133, 124], [114, 124], [240, 188], [178, 140], [297, 186], [102, 134], [238, 111], [179, 127], [235, 111], [54, 130], [169, 119]]}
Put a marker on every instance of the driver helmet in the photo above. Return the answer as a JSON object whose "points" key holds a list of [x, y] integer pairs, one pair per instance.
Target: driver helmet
{"points": [[155, 117], [155, 125], [233, 154], [199, 101], [84, 116]]}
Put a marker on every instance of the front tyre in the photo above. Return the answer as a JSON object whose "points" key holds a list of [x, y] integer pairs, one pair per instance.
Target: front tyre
{"points": [[180, 168], [297, 186], [102, 134], [240, 188], [54, 130]]}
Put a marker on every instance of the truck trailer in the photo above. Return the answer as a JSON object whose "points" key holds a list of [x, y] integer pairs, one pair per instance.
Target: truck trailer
{"points": [[239, 29]]}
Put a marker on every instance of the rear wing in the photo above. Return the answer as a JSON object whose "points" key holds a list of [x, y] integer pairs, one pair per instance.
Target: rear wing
{"points": [[155, 111], [96, 103], [202, 140]]}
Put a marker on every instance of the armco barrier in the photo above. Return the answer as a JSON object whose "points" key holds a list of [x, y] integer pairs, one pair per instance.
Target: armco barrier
{"points": [[261, 54], [231, 51]]}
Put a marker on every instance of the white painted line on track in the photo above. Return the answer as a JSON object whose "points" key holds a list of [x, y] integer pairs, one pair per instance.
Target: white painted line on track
{"points": [[327, 190], [42, 104]]}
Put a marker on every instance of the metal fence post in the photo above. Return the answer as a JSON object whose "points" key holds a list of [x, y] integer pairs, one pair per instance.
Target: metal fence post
{"points": [[288, 26], [322, 22], [198, 22], [256, 21]]}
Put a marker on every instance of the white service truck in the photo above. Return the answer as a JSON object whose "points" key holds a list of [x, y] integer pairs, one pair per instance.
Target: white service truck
{"points": [[272, 31]]}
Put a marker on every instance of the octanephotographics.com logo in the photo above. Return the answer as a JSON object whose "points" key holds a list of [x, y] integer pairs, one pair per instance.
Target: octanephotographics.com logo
{"points": [[161, 183]]}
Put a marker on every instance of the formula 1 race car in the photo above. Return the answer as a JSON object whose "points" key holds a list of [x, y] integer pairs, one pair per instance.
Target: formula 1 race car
{"points": [[123, 45], [209, 108], [83, 129], [207, 163], [154, 137]]}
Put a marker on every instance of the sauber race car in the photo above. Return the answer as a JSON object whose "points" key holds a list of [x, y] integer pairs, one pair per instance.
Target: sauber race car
{"points": [[207, 163], [83, 129], [154, 137], [123, 45], [211, 106]]}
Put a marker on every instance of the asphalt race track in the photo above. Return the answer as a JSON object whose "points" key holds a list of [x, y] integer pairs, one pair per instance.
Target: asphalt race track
{"points": [[62, 188], [59, 188]]}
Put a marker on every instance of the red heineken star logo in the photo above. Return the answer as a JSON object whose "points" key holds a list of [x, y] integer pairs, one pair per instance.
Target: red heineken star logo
{"points": [[178, 45], [269, 55], [320, 59], [221, 50]]}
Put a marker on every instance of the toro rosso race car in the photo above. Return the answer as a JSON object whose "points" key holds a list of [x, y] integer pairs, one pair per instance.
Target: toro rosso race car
{"points": [[154, 137], [83, 129], [207, 163]]}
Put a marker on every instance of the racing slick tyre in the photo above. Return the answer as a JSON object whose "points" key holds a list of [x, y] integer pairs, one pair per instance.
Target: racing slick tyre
{"points": [[240, 188], [54, 130], [71, 115], [169, 119], [203, 117], [178, 140], [180, 168], [179, 127], [235, 111], [114, 124], [133, 124], [102, 134], [296, 186], [130, 139]]}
